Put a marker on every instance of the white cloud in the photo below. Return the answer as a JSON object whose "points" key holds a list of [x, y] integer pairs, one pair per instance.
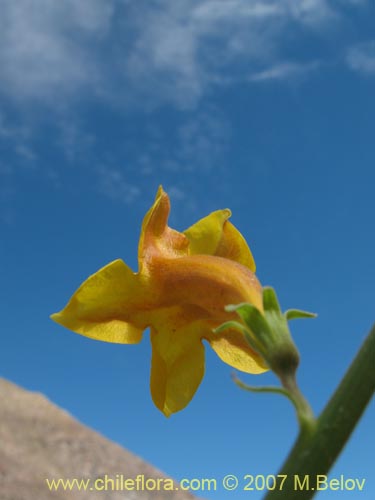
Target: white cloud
{"points": [[311, 12], [213, 10], [361, 58], [61, 53], [183, 48], [285, 71], [74, 140], [10, 131], [46, 46], [202, 139], [175, 193], [17, 138], [113, 183], [196, 144], [193, 148], [142, 52], [354, 2]]}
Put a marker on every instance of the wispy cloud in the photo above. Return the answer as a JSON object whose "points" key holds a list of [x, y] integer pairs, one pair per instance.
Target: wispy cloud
{"points": [[16, 139], [285, 71], [187, 47], [47, 48], [201, 140], [11, 131], [196, 143], [59, 56], [75, 141], [178, 156], [361, 58], [143, 52], [7, 192], [113, 183]]}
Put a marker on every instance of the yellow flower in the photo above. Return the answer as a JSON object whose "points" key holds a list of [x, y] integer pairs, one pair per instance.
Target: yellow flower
{"points": [[183, 283]]}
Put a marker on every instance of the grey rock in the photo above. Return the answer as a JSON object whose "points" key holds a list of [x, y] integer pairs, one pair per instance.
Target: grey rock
{"points": [[38, 440]]}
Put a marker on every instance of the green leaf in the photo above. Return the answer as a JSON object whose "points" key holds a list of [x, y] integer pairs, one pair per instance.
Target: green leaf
{"points": [[297, 314]]}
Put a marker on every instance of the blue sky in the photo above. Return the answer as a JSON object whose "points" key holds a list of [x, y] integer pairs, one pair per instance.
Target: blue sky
{"points": [[265, 107]]}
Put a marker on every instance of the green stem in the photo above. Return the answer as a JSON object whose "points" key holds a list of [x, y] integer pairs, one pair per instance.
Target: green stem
{"points": [[290, 390], [314, 453], [305, 415]]}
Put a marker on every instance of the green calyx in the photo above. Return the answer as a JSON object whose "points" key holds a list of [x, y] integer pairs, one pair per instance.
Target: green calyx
{"points": [[268, 332]]}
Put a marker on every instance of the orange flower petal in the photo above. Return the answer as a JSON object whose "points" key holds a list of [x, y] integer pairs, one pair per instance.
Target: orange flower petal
{"points": [[215, 235], [156, 237]]}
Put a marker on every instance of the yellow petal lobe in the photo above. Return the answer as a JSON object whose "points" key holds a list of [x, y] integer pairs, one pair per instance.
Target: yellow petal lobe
{"points": [[103, 306], [233, 349], [177, 365], [215, 235]]}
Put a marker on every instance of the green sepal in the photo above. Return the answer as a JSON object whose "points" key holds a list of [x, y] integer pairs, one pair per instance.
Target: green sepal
{"points": [[268, 332], [298, 314], [239, 327], [253, 318], [255, 321], [272, 312], [235, 325], [270, 302]]}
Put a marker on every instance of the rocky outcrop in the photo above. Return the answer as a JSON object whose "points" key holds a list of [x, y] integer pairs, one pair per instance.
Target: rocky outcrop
{"points": [[38, 440]]}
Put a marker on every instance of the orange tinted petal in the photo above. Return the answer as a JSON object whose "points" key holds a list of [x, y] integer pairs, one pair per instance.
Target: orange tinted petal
{"points": [[157, 239], [206, 281], [215, 235]]}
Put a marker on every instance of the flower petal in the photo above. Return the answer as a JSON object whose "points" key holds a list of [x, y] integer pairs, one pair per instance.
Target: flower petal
{"points": [[215, 235], [104, 306], [156, 237], [177, 365], [232, 348], [206, 281]]}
